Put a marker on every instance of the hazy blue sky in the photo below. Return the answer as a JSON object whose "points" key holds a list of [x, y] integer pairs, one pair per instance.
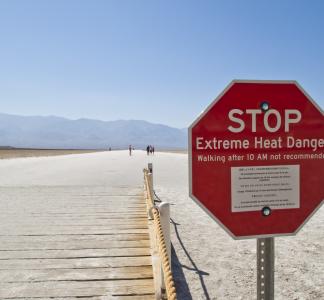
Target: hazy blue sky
{"points": [[162, 61]]}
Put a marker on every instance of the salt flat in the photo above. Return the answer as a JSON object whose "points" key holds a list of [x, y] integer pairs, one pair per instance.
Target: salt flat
{"points": [[207, 263], [14, 153], [217, 267]]}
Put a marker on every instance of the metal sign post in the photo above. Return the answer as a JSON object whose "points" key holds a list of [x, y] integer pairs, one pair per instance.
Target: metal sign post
{"points": [[265, 268]]}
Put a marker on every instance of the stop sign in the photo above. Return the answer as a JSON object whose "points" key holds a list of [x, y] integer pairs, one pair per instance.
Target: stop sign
{"points": [[256, 158]]}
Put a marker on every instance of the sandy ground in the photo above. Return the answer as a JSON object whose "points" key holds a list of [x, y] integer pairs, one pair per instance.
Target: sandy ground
{"points": [[13, 153], [207, 263]]}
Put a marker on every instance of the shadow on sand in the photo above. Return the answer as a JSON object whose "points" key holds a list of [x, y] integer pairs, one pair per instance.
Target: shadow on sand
{"points": [[183, 292]]}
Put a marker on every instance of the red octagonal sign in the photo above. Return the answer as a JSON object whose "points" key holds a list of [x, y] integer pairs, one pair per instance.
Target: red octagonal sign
{"points": [[256, 158]]}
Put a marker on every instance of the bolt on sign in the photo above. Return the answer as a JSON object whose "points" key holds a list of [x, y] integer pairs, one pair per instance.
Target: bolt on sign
{"points": [[256, 158]]}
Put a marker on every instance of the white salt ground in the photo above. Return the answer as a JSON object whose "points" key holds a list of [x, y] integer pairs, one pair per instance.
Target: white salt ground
{"points": [[207, 263]]}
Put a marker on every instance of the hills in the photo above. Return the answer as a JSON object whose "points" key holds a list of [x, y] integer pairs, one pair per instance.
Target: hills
{"points": [[60, 133]]}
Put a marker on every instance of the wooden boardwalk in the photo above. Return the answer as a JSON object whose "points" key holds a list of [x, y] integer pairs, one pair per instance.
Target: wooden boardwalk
{"points": [[74, 242]]}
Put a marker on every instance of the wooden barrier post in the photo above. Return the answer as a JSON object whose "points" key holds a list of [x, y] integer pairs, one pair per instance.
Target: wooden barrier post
{"points": [[160, 215], [164, 209], [150, 177], [150, 167]]}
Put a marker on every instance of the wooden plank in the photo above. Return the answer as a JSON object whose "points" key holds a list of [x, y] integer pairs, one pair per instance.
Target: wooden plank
{"points": [[12, 218], [77, 204], [74, 205], [71, 231], [35, 226], [98, 244], [123, 219], [79, 253], [126, 297], [85, 213], [65, 222], [14, 276], [103, 262], [69, 238], [77, 289], [112, 209], [76, 215]]}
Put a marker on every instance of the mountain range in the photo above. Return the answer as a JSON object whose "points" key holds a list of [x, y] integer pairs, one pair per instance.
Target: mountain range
{"points": [[53, 132]]}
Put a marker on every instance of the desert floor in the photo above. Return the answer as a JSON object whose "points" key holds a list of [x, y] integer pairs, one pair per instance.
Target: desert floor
{"points": [[14, 153], [207, 262]]}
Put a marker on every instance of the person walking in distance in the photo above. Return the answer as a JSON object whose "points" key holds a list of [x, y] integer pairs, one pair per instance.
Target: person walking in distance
{"points": [[153, 150], [148, 150], [130, 150]]}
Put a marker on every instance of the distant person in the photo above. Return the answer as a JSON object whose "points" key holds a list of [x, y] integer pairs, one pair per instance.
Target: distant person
{"points": [[148, 150], [153, 150], [130, 150]]}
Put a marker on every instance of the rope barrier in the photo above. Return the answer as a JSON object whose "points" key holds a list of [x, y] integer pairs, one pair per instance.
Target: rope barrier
{"points": [[165, 262]]}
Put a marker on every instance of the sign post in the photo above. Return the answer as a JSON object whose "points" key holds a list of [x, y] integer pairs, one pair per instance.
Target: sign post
{"points": [[256, 164], [265, 268]]}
